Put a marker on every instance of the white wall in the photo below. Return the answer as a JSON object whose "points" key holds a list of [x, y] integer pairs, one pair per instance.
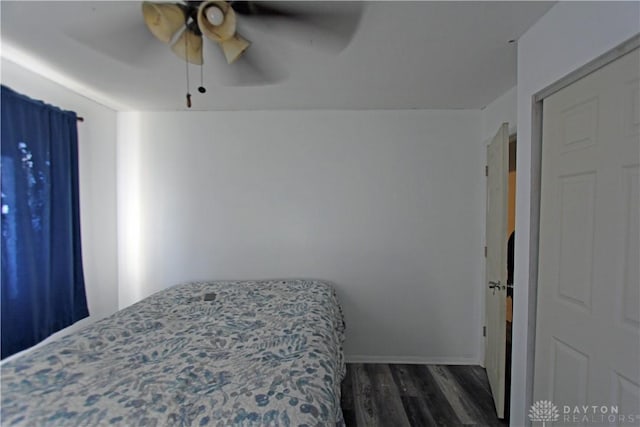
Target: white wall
{"points": [[97, 145], [385, 204], [502, 109], [567, 37]]}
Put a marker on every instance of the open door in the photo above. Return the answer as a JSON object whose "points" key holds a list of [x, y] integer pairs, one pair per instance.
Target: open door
{"points": [[496, 265]]}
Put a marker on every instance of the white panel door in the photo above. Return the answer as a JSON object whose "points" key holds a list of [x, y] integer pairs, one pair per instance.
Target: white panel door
{"points": [[496, 265], [588, 320]]}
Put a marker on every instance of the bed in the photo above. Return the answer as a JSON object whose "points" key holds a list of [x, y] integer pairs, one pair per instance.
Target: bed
{"points": [[232, 353]]}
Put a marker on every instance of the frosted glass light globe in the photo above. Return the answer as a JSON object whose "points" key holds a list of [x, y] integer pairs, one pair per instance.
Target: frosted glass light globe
{"points": [[214, 15]]}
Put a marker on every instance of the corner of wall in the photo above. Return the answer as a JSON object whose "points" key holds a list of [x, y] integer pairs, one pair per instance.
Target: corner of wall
{"points": [[129, 207]]}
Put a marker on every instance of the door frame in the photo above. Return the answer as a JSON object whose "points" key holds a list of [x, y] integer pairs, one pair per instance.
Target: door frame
{"points": [[536, 179]]}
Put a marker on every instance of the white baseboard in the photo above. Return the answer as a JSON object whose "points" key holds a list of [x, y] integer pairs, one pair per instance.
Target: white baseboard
{"points": [[361, 358]]}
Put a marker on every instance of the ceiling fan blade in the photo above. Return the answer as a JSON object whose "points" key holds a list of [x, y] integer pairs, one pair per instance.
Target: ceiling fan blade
{"points": [[327, 25], [234, 47], [254, 68], [251, 70], [266, 9], [225, 29], [163, 19], [189, 47]]}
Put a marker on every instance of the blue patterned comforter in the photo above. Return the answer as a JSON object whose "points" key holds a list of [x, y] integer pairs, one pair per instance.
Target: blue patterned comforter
{"points": [[262, 353]]}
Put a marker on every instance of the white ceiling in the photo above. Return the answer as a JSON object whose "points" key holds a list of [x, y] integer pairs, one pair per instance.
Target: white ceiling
{"points": [[440, 55]]}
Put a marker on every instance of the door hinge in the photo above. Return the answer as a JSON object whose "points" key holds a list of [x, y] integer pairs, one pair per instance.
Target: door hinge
{"points": [[485, 251], [486, 170], [484, 331]]}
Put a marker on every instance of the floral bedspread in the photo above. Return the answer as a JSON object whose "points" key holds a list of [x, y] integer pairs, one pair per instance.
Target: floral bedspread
{"points": [[260, 353]]}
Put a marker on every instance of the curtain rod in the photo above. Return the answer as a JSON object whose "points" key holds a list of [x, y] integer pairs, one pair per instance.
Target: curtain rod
{"points": [[80, 119]]}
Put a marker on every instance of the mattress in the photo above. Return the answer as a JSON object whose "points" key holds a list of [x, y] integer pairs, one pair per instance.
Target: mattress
{"points": [[232, 353]]}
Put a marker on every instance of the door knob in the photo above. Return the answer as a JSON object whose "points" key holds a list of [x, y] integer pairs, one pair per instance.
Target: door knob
{"points": [[496, 285]]}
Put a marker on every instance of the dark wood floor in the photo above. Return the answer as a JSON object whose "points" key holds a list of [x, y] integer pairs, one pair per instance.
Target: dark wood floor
{"points": [[417, 395]]}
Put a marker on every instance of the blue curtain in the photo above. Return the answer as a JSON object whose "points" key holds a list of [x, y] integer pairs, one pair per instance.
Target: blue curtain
{"points": [[42, 278]]}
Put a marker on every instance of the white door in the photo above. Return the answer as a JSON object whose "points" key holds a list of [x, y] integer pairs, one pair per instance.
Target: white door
{"points": [[588, 319], [496, 265]]}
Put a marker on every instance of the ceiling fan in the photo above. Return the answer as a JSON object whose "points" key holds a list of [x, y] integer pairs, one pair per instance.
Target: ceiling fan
{"points": [[184, 25]]}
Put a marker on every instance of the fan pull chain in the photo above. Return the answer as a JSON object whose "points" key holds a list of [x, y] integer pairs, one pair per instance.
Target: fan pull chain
{"points": [[202, 89], [186, 63]]}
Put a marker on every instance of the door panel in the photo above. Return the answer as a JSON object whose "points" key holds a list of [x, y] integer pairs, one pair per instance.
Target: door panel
{"points": [[496, 265], [588, 322]]}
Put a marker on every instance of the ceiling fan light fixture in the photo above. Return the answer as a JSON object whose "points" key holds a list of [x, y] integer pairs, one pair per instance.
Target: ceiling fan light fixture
{"points": [[214, 15], [227, 27], [189, 47], [234, 47], [164, 20]]}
